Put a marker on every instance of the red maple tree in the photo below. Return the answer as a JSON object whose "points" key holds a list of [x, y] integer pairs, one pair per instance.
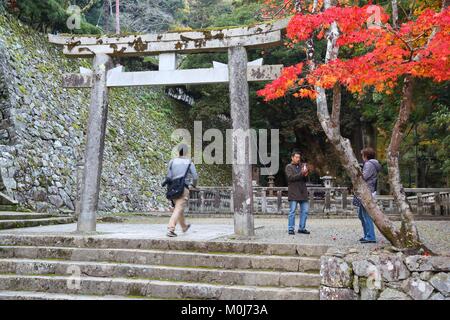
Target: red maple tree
{"points": [[384, 56], [420, 48]]}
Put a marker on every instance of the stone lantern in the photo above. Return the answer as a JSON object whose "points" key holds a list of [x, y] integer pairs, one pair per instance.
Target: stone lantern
{"points": [[327, 181]]}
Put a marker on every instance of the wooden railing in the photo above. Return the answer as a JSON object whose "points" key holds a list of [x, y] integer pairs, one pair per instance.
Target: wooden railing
{"points": [[423, 201], [268, 200], [329, 201]]}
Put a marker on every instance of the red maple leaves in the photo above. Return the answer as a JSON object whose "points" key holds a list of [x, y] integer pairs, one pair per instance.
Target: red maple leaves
{"points": [[283, 84], [380, 54]]}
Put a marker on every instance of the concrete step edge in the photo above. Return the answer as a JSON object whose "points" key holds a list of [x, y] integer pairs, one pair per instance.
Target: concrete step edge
{"points": [[38, 219], [281, 249], [160, 272], [157, 266], [175, 258], [187, 253], [152, 288], [24, 215], [168, 252], [36, 295], [28, 223]]}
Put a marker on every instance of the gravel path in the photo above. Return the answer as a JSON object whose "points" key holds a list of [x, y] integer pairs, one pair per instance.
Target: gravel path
{"points": [[334, 232]]}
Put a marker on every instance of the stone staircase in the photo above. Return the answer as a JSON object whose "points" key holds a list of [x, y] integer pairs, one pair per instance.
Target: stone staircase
{"points": [[12, 220], [76, 267]]}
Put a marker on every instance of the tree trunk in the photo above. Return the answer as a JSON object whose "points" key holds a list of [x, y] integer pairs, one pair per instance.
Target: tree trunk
{"points": [[408, 228], [394, 14], [406, 237], [106, 15], [350, 163]]}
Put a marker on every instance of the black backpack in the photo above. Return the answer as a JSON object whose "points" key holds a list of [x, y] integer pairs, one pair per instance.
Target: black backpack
{"points": [[175, 187]]}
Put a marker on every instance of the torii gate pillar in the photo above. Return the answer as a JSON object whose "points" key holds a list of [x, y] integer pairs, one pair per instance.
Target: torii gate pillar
{"points": [[240, 115], [95, 144]]}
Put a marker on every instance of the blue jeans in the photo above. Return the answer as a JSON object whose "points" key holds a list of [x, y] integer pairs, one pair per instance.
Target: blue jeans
{"points": [[367, 224], [304, 211]]}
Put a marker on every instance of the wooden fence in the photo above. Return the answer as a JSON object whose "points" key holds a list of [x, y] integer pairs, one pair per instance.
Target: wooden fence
{"points": [[322, 201]]}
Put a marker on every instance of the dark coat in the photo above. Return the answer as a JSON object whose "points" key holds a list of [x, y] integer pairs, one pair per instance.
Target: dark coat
{"points": [[297, 190]]}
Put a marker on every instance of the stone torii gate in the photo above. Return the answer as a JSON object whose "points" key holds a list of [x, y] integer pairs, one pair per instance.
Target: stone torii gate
{"points": [[103, 76]]}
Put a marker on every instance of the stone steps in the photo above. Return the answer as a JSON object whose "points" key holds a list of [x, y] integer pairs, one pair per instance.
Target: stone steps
{"points": [[8, 207], [23, 216], [78, 241], [171, 258], [150, 288], [32, 295], [25, 223], [161, 272], [46, 266]]}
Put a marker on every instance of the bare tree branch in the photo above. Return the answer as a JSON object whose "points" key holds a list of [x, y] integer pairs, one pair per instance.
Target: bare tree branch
{"points": [[88, 6], [394, 14], [146, 16]]}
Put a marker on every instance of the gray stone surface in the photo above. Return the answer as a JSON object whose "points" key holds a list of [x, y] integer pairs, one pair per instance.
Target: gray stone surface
{"points": [[174, 258], [30, 222], [428, 263], [418, 289], [222, 276], [437, 296], [152, 288], [426, 275], [30, 295], [335, 272], [133, 231], [155, 268], [95, 144], [327, 293], [441, 282], [42, 131], [393, 268], [392, 294], [241, 144], [344, 233], [369, 294], [364, 268]]}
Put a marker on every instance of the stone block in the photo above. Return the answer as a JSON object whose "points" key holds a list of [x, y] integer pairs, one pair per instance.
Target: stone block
{"points": [[428, 263], [441, 282], [393, 269], [327, 293], [418, 289], [369, 294], [392, 294], [335, 272]]}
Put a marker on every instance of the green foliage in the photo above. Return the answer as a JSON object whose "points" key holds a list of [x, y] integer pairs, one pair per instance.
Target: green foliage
{"points": [[243, 14], [199, 14], [440, 121], [48, 16]]}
